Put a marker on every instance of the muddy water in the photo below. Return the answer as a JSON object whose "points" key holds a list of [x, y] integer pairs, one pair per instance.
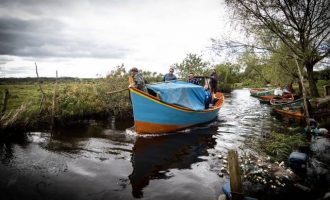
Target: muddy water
{"points": [[107, 160]]}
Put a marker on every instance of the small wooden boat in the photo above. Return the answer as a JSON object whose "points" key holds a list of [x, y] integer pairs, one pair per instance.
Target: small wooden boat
{"points": [[287, 112], [274, 99], [292, 104], [261, 92], [266, 99], [153, 116], [283, 99], [294, 109]]}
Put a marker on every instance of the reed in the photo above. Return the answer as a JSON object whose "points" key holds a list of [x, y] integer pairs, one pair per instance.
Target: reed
{"points": [[76, 100]]}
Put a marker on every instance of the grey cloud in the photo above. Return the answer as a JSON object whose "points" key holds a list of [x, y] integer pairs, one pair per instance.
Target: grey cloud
{"points": [[45, 38], [37, 7], [4, 60], [13, 71], [54, 7]]}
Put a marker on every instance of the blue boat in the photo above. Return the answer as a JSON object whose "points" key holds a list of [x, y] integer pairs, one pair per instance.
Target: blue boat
{"points": [[171, 106]]}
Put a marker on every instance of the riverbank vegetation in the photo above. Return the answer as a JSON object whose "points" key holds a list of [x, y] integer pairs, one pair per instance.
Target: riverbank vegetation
{"points": [[36, 104], [279, 145]]}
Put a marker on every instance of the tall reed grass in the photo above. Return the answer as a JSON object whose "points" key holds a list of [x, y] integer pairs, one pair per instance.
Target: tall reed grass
{"points": [[76, 100]]}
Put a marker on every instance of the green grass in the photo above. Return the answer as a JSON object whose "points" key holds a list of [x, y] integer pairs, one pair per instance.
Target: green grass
{"points": [[320, 86], [279, 145], [74, 100]]}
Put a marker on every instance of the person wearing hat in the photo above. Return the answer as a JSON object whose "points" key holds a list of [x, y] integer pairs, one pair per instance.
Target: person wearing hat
{"points": [[170, 76], [136, 80]]}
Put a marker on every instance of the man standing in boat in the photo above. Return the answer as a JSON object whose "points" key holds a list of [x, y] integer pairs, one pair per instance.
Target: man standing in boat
{"points": [[136, 80], [213, 82], [170, 76]]}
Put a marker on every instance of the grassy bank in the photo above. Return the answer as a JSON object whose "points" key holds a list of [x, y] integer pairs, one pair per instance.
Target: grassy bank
{"points": [[280, 145], [28, 107]]}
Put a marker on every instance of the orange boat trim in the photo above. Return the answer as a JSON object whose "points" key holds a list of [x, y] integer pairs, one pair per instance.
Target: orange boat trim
{"points": [[151, 128]]}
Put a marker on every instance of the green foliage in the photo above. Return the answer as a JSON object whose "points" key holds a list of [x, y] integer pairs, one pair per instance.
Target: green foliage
{"points": [[192, 63], [279, 145], [228, 73], [250, 83], [321, 84], [74, 100], [255, 67], [275, 67]]}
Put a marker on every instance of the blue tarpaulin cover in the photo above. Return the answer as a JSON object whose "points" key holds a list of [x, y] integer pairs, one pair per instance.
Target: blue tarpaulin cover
{"points": [[180, 93]]}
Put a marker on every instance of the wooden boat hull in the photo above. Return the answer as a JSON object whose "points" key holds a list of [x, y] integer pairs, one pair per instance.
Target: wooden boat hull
{"points": [[296, 114], [258, 93], [152, 116], [277, 101], [266, 99], [273, 99], [293, 104]]}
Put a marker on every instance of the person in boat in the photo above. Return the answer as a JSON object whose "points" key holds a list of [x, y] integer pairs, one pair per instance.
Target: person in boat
{"points": [[208, 97], [289, 88], [192, 79], [213, 82], [170, 76], [136, 80], [278, 91]]}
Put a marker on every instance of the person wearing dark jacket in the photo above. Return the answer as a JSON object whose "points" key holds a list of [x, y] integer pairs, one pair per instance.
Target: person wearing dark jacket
{"points": [[192, 79], [214, 82], [136, 80], [170, 76]]}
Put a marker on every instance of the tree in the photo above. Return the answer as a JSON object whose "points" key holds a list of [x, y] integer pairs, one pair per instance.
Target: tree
{"points": [[255, 68], [119, 71], [228, 73], [192, 63], [302, 26]]}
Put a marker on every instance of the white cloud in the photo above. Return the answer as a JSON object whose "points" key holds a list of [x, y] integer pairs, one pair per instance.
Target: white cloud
{"points": [[85, 38]]}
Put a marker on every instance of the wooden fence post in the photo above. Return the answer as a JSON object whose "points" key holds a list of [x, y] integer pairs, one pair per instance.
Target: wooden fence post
{"points": [[4, 101], [235, 176]]}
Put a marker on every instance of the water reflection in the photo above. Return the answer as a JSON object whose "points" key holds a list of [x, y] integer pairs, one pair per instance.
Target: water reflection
{"points": [[153, 156], [7, 151]]}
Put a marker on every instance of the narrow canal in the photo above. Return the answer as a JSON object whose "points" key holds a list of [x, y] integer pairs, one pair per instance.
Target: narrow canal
{"points": [[107, 160]]}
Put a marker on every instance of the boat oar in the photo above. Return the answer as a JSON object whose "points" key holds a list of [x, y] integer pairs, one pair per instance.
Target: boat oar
{"points": [[113, 92]]}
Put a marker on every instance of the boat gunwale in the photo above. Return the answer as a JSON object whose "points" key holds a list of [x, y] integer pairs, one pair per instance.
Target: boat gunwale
{"points": [[290, 113], [287, 103], [156, 100]]}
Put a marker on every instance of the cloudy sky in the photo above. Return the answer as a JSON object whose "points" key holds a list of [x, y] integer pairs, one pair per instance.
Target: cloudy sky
{"points": [[87, 38]]}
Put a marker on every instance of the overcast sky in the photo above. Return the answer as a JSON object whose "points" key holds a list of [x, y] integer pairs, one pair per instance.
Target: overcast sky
{"points": [[83, 38]]}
